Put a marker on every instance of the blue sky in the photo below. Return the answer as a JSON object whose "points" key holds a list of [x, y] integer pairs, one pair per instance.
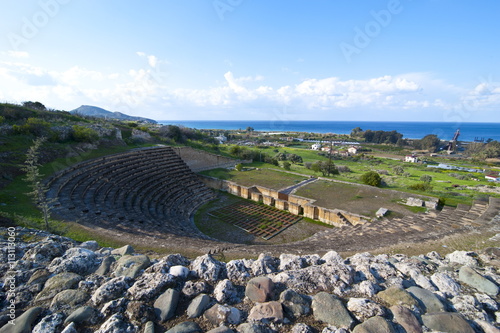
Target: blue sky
{"points": [[428, 60]]}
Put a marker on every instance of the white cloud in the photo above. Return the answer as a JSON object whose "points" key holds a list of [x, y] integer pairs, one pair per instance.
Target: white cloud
{"points": [[17, 54]]}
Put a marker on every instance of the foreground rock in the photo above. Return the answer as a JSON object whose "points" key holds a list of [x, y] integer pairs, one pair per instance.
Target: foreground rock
{"points": [[61, 286]]}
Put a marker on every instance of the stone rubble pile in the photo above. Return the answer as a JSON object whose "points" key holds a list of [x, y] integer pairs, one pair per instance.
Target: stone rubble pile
{"points": [[54, 284]]}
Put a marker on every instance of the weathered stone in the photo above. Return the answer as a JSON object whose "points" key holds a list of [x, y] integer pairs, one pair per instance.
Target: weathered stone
{"points": [[253, 328], [238, 271], [291, 262], [301, 328], [139, 313], [149, 285], [487, 302], [486, 327], [294, 304], [166, 304], [40, 276], [75, 260], [366, 288], [363, 308], [427, 300], [374, 325], [91, 245], [116, 323], [70, 298], [149, 327], [49, 324], [476, 280], [56, 284], [265, 264], [404, 317], [44, 252], [83, 315], [446, 284], [23, 323], [469, 307], [207, 268], [272, 311], [259, 289], [105, 266], [398, 296], [124, 250], [447, 322], [131, 266], [221, 329], [466, 258], [115, 306], [179, 271], [332, 258], [411, 201], [197, 306], [329, 309], [192, 289], [186, 327], [110, 290], [71, 328], [220, 314], [226, 293]]}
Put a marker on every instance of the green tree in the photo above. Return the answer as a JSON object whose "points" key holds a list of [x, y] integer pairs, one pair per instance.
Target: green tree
{"points": [[294, 158], [34, 178], [286, 165], [84, 134], [371, 178], [239, 167], [429, 142], [356, 131]]}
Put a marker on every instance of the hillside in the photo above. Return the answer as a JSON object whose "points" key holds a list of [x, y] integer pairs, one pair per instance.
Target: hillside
{"points": [[94, 111]]}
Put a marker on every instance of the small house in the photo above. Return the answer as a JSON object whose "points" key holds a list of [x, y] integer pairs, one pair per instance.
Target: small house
{"points": [[316, 146], [411, 158], [493, 177], [353, 150]]}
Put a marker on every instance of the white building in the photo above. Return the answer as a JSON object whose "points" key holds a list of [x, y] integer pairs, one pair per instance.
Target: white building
{"points": [[222, 138], [411, 158], [352, 150], [493, 177], [316, 146]]}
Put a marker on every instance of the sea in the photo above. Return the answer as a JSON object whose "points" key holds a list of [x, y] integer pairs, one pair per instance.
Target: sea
{"points": [[410, 130]]}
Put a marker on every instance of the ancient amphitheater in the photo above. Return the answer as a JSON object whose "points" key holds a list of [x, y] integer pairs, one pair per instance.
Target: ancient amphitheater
{"points": [[149, 196]]}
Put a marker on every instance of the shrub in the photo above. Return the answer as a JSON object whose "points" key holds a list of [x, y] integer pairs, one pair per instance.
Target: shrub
{"points": [[406, 174], [239, 167], [343, 168], [371, 178], [286, 165], [308, 165], [2, 119], [421, 187], [398, 170], [426, 178], [84, 134]]}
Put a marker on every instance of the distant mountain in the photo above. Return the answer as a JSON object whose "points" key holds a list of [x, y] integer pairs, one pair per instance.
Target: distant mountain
{"points": [[94, 111]]}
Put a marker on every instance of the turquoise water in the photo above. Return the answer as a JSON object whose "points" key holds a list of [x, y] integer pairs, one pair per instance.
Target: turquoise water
{"points": [[410, 130]]}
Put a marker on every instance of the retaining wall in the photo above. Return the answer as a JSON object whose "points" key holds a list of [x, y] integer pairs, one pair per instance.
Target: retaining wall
{"points": [[294, 204]]}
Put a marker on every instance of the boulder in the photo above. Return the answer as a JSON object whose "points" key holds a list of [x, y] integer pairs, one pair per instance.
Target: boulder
{"points": [[124, 250], [447, 322], [221, 329], [56, 284], [23, 323], [259, 289], [179, 271], [301, 328], [398, 296], [363, 308], [404, 317], [221, 314], [111, 290], [83, 315], [271, 311], [329, 309], [294, 304], [69, 299], [116, 323], [105, 266], [207, 268], [131, 266], [149, 285], [225, 292], [427, 300], [75, 260], [166, 304], [374, 325], [291, 262], [466, 258], [186, 327], [139, 313], [49, 324], [238, 271], [192, 289], [265, 264], [197, 306], [474, 279], [446, 284]]}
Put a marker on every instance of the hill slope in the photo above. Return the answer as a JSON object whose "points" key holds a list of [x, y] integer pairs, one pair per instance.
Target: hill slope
{"points": [[94, 111]]}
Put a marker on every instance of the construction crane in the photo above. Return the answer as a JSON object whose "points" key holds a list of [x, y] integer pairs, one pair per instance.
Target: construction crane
{"points": [[452, 145]]}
